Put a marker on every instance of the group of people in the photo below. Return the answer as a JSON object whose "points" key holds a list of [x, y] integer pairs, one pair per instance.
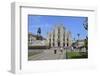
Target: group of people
{"points": [[56, 49]]}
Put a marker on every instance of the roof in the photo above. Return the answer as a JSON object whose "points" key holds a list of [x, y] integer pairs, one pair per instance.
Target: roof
{"points": [[36, 35]]}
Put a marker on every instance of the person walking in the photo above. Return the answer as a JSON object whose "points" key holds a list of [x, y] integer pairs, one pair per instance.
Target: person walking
{"points": [[55, 50]]}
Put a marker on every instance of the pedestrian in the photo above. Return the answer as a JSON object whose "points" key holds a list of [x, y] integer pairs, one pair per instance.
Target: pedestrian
{"points": [[55, 51], [72, 48]]}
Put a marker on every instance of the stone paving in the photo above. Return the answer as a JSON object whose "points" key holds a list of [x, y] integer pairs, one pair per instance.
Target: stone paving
{"points": [[49, 54]]}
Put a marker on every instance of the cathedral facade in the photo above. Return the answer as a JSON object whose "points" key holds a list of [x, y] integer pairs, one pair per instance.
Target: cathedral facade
{"points": [[59, 37]]}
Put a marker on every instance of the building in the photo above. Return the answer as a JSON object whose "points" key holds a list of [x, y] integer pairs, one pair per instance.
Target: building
{"points": [[35, 40], [59, 37], [79, 43], [31, 38]]}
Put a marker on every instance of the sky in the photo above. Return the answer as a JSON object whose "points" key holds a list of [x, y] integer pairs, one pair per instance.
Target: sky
{"points": [[74, 24]]}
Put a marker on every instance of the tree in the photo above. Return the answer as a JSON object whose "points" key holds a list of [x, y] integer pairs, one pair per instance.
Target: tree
{"points": [[78, 39], [39, 31], [39, 34], [85, 24], [78, 35], [85, 44]]}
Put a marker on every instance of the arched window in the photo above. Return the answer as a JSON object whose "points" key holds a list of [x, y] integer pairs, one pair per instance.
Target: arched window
{"points": [[67, 44], [64, 44], [58, 44]]}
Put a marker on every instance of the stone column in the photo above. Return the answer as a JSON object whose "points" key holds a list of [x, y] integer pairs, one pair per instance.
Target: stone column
{"points": [[61, 36], [56, 37], [66, 36], [49, 39], [69, 39]]}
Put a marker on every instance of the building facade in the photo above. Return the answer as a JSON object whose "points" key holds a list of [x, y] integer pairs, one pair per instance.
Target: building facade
{"points": [[59, 37], [31, 38], [35, 40]]}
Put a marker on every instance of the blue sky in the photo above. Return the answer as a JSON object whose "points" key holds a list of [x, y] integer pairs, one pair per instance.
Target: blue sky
{"points": [[72, 23]]}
